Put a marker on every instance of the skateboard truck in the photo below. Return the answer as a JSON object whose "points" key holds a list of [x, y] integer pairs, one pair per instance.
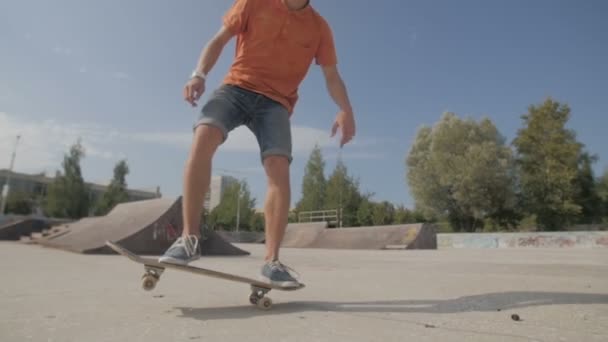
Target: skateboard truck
{"points": [[258, 297], [151, 277]]}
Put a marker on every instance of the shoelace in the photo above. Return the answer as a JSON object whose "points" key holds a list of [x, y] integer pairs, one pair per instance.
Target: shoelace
{"points": [[190, 243], [286, 268]]}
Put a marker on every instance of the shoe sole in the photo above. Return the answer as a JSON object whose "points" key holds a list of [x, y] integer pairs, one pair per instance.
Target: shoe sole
{"points": [[286, 284], [171, 260]]}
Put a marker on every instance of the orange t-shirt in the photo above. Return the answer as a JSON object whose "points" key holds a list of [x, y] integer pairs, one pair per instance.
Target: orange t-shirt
{"points": [[276, 46]]}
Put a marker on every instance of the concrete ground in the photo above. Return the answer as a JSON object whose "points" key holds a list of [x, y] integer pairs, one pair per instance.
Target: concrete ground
{"points": [[441, 295]]}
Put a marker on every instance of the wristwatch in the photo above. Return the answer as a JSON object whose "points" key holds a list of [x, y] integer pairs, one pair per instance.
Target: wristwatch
{"points": [[198, 74]]}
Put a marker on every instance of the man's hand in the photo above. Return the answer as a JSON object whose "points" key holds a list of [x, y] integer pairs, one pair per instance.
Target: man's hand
{"points": [[196, 86], [193, 90], [346, 122]]}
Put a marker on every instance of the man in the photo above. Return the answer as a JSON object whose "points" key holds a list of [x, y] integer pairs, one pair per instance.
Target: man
{"points": [[277, 40]]}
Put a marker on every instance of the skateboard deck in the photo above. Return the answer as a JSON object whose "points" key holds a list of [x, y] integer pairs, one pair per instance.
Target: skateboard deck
{"points": [[153, 270]]}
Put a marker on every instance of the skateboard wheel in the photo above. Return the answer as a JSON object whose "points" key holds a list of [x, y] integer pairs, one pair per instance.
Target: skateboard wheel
{"points": [[264, 303], [148, 282], [254, 298]]}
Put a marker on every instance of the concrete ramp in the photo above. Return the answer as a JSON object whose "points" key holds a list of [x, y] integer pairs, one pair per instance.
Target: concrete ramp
{"points": [[14, 230], [4, 219], [21, 226], [213, 244], [144, 227], [241, 236], [409, 236], [300, 235]]}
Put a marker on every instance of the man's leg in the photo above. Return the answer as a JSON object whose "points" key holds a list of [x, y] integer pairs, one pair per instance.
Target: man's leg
{"points": [[271, 126], [197, 176], [222, 113], [276, 208]]}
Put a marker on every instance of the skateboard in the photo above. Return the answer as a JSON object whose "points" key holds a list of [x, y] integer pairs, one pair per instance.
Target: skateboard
{"points": [[153, 270]]}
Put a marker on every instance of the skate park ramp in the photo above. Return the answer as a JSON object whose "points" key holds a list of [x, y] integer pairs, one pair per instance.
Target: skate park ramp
{"points": [[21, 226], [407, 236], [301, 235], [241, 236], [4, 219], [146, 227]]}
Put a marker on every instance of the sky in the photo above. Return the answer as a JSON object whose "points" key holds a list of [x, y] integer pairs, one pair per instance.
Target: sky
{"points": [[112, 72]]}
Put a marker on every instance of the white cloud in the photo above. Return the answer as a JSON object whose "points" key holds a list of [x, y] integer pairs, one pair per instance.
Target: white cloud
{"points": [[6, 93], [413, 37], [164, 138], [44, 143], [119, 75], [255, 170], [369, 142], [240, 139], [83, 69], [63, 51], [305, 138], [357, 155]]}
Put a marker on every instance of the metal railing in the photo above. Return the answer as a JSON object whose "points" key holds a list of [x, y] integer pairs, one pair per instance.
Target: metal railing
{"points": [[330, 216]]}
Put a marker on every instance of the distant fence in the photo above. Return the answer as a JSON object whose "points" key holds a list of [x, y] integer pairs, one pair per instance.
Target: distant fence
{"points": [[329, 216]]}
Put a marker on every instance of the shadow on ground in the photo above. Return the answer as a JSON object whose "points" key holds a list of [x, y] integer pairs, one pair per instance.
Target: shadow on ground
{"points": [[483, 302]]}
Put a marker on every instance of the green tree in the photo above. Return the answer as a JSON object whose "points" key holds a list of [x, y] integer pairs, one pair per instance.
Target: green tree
{"points": [[586, 195], [602, 191], [313, 183], [293, 216], [117, 190], [548, 156], [342, 192], [224, 216], [404, 215], [462, 170], [257, 222], [365, 212], [68, 195], [19, 203], [383, 213]]}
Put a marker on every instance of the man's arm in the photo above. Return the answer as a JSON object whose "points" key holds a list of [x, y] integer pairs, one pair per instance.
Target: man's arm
{"points": [[208, 57], [337, 90], [212, 51]]}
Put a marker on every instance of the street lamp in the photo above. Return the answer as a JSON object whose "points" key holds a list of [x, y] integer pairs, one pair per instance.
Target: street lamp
{"points": [[6, 187], [340, 219], [238, 207]]}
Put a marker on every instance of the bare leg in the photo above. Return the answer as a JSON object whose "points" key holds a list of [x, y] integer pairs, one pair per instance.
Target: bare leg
{"points": [[197, 176], [276, 208]]}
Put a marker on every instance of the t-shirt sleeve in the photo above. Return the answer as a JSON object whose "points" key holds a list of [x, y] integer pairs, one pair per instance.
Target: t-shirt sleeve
{"points": [[326, 51], [235, 18]]}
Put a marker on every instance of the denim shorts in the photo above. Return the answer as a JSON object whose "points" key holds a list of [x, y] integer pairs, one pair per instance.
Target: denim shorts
{"points": [[231, 106]]}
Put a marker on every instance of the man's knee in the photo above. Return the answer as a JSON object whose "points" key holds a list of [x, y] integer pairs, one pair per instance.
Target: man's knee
{"points": [[277, 168], [207, 138]]}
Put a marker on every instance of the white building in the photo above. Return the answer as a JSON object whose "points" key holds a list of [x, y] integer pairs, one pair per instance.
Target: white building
{"points": [[216, 190]]}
